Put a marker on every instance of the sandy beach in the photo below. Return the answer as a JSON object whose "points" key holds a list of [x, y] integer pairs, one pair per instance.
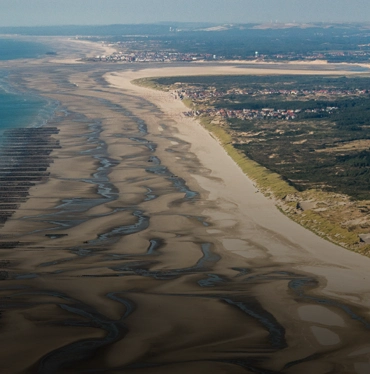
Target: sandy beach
{"points": [[147, 250], [235, 187]]}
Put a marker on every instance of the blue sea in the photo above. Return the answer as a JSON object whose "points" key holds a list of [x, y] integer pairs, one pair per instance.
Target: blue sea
{"points": [[11, 49], [20, 109]]}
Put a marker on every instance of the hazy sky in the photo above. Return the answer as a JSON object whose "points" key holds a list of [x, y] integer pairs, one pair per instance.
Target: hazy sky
{"points": [[67, 12]]}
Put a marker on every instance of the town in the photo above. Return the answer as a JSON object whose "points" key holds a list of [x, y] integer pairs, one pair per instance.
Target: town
{"points": [[149, 56], [173, 56], [251, 114], [198, 94]]}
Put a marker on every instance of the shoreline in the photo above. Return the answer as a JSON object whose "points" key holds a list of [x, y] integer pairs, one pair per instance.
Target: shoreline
{"points": [[265, 212], [146, 246], [340, 237], [46, 107]]}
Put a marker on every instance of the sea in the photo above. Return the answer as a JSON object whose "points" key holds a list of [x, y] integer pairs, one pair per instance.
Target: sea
{"points": [[20, 109]]}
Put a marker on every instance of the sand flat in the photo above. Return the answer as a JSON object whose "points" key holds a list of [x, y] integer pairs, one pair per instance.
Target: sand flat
{"points": [[291, 243], [153, 253]]}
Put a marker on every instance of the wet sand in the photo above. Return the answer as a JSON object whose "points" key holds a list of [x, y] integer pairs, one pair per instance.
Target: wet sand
{"points": [[146, 249]]}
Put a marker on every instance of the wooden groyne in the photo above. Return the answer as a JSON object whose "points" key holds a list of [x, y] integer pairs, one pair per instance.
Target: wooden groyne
{"points": [[24, 160]]}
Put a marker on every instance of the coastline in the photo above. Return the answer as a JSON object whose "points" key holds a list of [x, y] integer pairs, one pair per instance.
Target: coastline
{"points": [[148, 248], [241, 191], [334, 232]]}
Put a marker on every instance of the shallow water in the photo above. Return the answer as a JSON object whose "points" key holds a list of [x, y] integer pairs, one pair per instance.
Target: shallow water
{"points": [[12, 49]]}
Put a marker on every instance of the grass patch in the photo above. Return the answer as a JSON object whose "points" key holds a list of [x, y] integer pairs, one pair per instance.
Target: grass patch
{"points": [[188, 103], [149, 83], [271, 183], [265, 179]]}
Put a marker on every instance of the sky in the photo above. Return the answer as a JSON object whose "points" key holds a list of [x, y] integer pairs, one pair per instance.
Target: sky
{"points": [[95, 12]]}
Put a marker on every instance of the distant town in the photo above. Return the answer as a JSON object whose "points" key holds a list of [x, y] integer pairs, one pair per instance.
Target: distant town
{"points": [[165, 56], [155, 57], [127, 53], [131, 55], [334, 43]]}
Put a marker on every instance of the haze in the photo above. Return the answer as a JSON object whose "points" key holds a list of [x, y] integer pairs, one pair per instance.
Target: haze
{"points": [[92, 12]]}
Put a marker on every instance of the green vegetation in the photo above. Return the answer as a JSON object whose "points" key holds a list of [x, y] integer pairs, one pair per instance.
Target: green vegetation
{"points": [[317, 149], [267, 81], [271, 183], [149, 83], [265, 179]]}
